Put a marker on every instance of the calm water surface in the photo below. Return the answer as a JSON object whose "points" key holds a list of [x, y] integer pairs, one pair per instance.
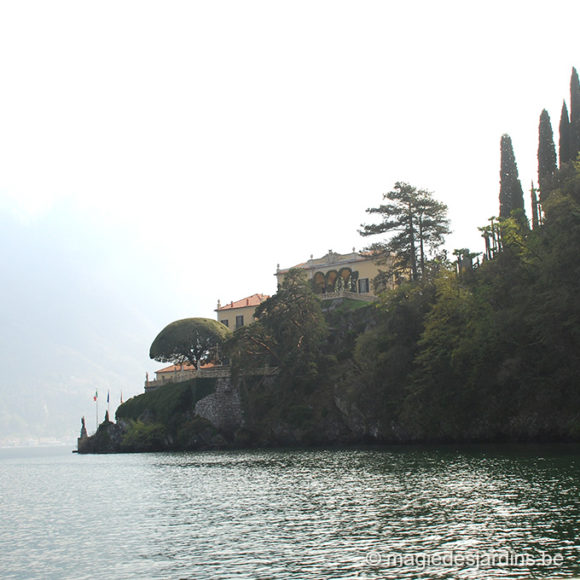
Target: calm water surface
{"points": [[502, 512]]}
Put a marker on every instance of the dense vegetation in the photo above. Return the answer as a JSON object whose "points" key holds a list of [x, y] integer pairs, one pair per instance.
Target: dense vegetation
{"points": [[164, 419], [457, 352], [493, 352], [487, 353]]}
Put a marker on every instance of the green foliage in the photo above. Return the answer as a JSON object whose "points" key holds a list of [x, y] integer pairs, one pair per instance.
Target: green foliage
{"points": [[144, 437], [167, 403], [193, 340], [343, 305], [385, 352], [163, 419], [491, 355], [500, 353], [514, 235], [346, 320], [547, 162], [574, 115], [193, 431], [565, 148], [536, 210], [289, 333], [450, 361], [418, 223], [574, 96], [250, 348], [511, 194]]}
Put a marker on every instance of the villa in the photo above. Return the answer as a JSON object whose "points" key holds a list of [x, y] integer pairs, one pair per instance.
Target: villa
{"points": [[341, 275], [332, 276]]}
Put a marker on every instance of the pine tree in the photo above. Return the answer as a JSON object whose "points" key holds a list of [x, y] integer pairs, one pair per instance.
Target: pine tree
{"points": [[511, 194], [574, 115], [547, 162], [565, 153], [419, 224]]}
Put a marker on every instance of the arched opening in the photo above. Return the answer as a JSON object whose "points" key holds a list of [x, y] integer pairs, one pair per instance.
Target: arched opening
{"points": [[331, 280], [318, 283]]}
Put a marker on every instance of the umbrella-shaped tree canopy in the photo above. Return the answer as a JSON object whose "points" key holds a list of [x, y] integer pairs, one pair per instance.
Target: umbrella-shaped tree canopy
{"points": [[193, 340]]}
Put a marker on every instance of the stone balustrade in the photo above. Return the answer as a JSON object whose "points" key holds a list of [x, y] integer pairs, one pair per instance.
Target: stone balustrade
{"points": [[347, 294], [219, 372]]}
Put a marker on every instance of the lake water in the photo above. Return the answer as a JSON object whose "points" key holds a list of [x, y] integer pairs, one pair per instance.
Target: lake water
{"points": [[403, 512]]}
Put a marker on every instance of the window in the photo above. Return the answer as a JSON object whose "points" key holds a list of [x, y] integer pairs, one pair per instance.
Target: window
{"points": [[226, 322], [363, 286], [239, 320]]}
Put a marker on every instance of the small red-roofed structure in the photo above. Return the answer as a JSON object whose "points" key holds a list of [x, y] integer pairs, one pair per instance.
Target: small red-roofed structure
{"points": [[239, 313]]}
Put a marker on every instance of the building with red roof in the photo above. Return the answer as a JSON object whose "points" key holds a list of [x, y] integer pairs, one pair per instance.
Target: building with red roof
{"points": [[240, 312], [176, 373]]}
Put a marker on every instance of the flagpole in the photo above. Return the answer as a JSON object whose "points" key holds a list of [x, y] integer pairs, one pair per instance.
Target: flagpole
{"points": [[97, 409]]}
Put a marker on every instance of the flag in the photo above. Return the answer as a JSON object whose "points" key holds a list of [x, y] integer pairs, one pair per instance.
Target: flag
{"points": [[121, 397], [96, 396], [108, 396]]}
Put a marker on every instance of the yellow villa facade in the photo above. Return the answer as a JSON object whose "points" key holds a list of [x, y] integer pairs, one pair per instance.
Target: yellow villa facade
{"points": [[239, 313], [336, 274]]}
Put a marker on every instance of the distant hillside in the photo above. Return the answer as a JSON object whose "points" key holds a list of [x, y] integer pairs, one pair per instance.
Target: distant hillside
{"points": [[76, 316]]}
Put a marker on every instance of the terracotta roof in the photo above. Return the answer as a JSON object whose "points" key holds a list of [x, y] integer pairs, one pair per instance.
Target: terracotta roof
{"points": [[252, 300], [182, 367]]}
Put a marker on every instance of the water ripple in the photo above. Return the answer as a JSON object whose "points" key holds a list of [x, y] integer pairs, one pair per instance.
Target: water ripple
{"points": [[290, 514]]}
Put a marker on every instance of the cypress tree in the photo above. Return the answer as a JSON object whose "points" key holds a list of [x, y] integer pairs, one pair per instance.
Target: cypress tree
{"points": [[565, 153], [511, 194], [574, 115], [547, 162], [574, 97]]}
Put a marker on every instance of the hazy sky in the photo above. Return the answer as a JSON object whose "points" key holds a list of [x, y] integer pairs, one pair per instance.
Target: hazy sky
{"points": [[157, 156]]}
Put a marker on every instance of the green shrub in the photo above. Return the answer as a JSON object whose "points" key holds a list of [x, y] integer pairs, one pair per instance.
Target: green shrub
{"points": [[193, 432], [167, 402], [145, 437]]}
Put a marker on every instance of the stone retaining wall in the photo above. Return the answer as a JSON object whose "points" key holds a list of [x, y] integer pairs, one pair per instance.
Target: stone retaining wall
{"points": [[223, 408]]}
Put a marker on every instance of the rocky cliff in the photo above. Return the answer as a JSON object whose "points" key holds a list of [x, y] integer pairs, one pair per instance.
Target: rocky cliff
{"points": [[245, 412]]}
